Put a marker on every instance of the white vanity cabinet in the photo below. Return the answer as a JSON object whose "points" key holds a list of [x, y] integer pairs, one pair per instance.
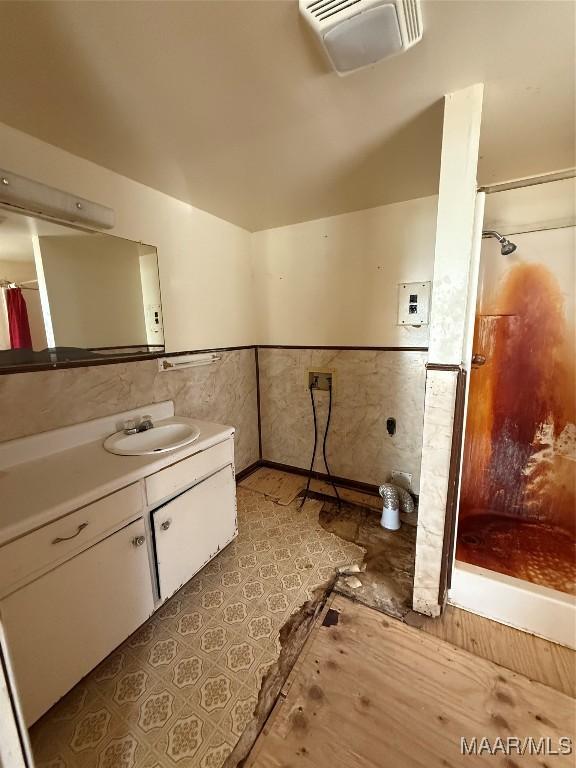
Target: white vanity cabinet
{"points": [[64, 623], [192, 528], [26, 558], [92, 543]]}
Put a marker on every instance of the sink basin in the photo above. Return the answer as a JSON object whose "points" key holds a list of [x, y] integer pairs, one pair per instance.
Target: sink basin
{"points": [[166, 435]]}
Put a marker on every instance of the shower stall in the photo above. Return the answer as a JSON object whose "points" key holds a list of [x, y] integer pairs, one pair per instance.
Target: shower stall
{"points": [[515, 556]]}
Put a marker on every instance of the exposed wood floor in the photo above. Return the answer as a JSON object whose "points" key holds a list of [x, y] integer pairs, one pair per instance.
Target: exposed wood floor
{"points": [[328, 708], [538, 659], [387, 575], [368, 690], [283, 487], [387, 578], [181, 690], [521, 652]]}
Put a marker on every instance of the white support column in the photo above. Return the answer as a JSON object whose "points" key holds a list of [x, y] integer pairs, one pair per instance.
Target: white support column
{"points": [[44, 302], [448, 326]]}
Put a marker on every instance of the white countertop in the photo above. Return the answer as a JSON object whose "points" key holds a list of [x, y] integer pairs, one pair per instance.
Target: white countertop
{"points": [[33, 493]]}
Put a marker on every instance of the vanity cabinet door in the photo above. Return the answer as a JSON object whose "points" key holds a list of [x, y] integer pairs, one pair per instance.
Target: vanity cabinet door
{"points": [[192, 528], [62, 625]]}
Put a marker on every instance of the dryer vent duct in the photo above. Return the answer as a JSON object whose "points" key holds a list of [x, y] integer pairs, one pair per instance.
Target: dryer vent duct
{"points": [[357, 33]]}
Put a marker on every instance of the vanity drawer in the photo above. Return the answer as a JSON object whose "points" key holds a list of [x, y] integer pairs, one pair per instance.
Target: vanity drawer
{"points": [[188, 471], [32, 554]]}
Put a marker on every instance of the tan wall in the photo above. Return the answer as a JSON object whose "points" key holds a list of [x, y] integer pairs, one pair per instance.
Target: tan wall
{"points": [[94, 290], [335, 281], [326, 282], [224, 392], [539, 206], [205, 271], [208, 301]]}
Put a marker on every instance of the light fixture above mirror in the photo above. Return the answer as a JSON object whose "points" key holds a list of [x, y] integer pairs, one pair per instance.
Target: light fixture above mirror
{"points": [[32, 196]]}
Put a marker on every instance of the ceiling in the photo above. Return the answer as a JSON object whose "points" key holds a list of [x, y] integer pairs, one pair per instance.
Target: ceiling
{"points": [[232, 107]]}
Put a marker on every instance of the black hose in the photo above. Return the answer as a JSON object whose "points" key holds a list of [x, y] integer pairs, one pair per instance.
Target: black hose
{"points": [[324, 448], [314, 451]]}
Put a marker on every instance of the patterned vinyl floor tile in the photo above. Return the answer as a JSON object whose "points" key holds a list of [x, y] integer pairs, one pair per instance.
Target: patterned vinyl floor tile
{"points": [[180, 691]]}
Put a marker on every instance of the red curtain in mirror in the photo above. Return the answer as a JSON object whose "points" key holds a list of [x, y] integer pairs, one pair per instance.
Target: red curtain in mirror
{"points": [[18, 324]]}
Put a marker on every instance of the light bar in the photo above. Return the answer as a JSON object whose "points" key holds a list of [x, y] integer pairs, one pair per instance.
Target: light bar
{"points": [[34, 197]]}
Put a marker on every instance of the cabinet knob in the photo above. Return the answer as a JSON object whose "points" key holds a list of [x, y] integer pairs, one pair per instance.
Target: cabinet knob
{"points": [[165, 525], [138, 541]]}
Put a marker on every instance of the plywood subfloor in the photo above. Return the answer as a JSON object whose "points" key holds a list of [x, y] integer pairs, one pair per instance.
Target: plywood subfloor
{"points": [[182, 688], [368, 691], [521, 652], [386, 581], [280, 487], [283, 487]]}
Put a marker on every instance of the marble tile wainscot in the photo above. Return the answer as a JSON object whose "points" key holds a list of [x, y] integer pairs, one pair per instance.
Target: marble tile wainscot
{"points": [[369, 387], [224, 392], [437, 444]]}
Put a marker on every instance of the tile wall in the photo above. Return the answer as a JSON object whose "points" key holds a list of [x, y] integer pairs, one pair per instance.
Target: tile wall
{"points": [[223, 392], [369, 387]]}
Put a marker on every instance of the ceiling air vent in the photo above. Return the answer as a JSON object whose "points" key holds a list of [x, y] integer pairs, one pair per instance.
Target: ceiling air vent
{"points": [[324, 9], [357, 33]]}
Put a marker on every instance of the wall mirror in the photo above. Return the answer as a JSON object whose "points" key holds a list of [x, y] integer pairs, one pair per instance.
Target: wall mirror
{"points": [[70, 296]]}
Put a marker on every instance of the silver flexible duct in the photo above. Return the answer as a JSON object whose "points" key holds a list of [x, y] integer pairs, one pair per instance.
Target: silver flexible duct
{"points": [[390, 495], [395, 499], [406, 501]]}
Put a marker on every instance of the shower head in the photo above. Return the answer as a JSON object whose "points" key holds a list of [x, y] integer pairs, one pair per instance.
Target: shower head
{"points": [[506, 246]]}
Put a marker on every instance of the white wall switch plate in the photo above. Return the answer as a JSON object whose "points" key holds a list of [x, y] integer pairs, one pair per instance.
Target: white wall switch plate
{"points": [[154, 318], [413, 303]]}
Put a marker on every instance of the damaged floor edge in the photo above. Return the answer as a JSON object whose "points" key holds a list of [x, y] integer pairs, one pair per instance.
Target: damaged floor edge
{"points": [[371, 691], [372, 583], [282, 487], [293, 637], [200, 682], [184, 687], [514, 650], [386, 579]]}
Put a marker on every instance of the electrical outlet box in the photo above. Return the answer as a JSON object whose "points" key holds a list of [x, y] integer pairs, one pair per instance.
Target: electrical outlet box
{"points": [[402, 479], [413, 303], [320, 380]]}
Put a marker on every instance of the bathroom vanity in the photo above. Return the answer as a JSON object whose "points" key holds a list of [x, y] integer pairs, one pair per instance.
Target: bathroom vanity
{"points": [[92, 543]]}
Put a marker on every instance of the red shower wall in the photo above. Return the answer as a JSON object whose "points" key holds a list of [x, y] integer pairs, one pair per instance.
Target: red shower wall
{"points": [[519, 468]]}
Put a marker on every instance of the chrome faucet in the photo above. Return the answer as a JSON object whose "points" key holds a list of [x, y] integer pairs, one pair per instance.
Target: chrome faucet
{"points": [[145, 423], [132, 426]]}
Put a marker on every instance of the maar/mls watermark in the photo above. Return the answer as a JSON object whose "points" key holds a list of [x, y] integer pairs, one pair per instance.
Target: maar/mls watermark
{"points": [[515, 745]]}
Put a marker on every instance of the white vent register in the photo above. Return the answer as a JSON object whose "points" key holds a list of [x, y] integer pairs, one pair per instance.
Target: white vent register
{"points": [[357, 33]]}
